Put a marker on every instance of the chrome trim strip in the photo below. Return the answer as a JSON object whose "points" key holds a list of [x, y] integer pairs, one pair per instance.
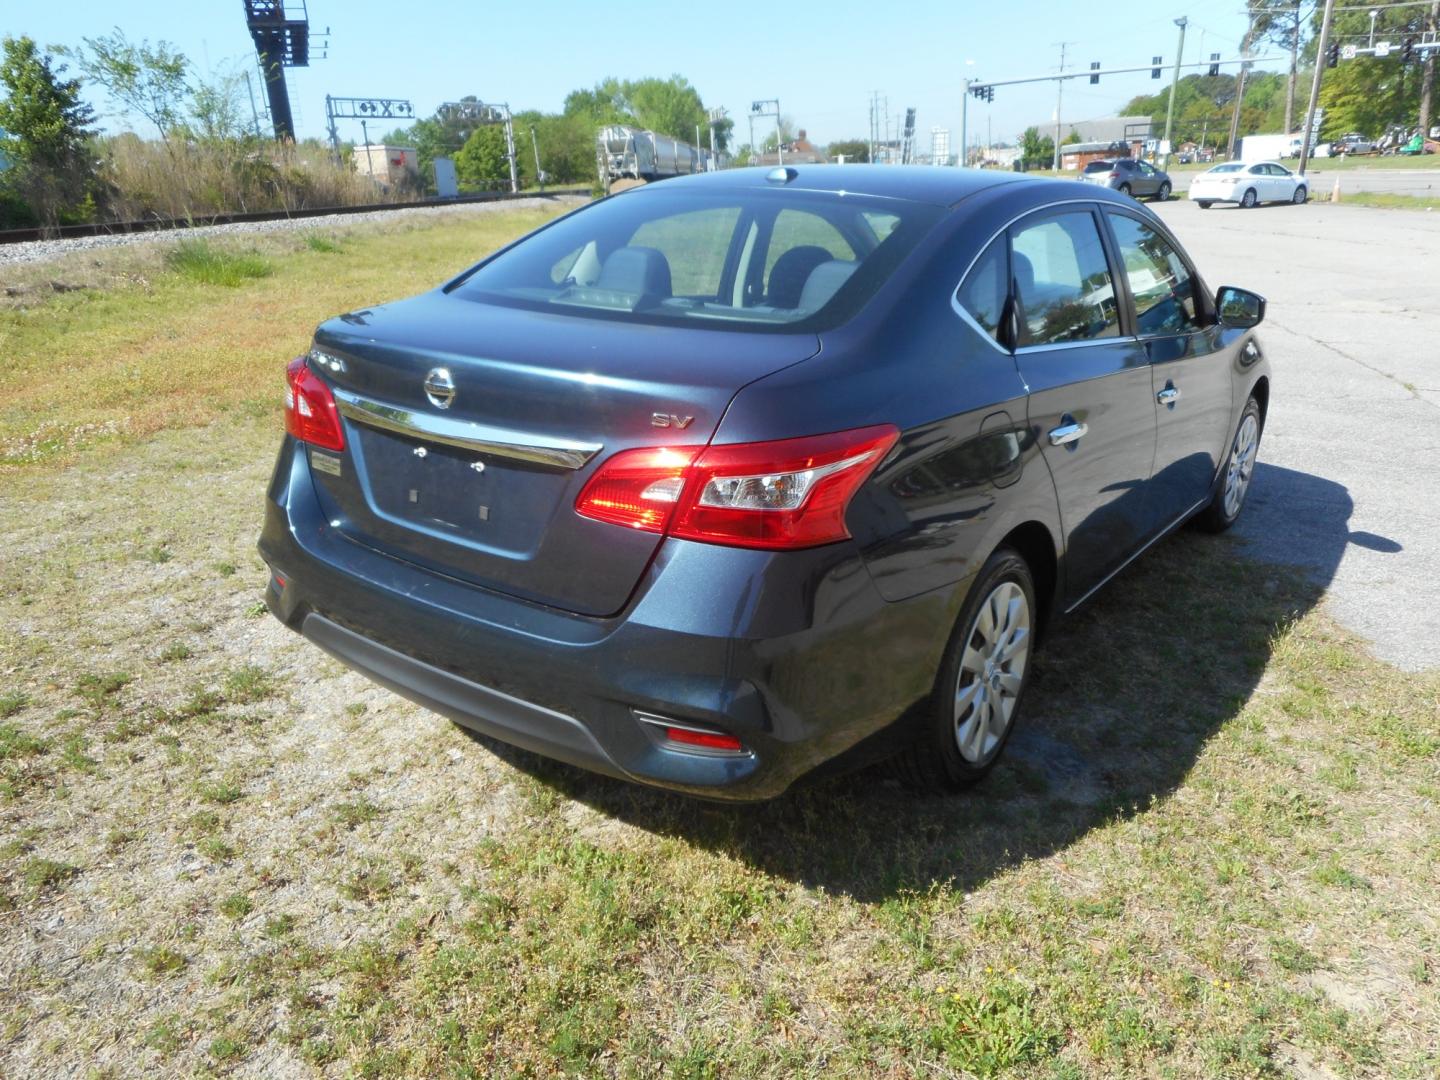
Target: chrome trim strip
{"points": [[466, 434]]}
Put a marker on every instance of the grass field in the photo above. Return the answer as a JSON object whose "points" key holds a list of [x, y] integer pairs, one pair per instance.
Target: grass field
{"points": [[1212, 851]]}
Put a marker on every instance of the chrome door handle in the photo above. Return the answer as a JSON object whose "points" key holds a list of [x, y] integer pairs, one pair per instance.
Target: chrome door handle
{"points": [[1068, 433], [1168, 396]]}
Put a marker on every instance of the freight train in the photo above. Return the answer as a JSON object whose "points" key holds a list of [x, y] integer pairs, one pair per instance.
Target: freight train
{"points": [[627, 153]]}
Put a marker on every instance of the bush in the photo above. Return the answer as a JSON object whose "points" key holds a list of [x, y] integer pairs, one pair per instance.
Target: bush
{"points": [[208, 265], [15, 212]]}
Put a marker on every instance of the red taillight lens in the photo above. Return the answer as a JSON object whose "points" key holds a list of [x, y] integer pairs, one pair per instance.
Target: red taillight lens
{"points": [[791, 493], [638, 488], [310, 413]]}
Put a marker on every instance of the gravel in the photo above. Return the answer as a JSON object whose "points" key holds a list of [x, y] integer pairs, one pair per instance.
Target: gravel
{"points": [[35, 251]]}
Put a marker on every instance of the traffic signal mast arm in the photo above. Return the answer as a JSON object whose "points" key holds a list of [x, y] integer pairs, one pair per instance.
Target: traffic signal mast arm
{"points": [[972, 85]]}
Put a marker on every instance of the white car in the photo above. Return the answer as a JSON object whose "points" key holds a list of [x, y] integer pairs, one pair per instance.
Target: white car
{"points": [[1248, 184]]}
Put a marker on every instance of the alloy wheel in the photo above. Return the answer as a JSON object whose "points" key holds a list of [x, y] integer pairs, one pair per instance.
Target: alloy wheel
{"points": [[992, 672], [1242, 464], [1299, 196], [1248, 200]]}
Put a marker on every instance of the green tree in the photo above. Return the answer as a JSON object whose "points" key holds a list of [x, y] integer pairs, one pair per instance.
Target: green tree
{"points": [[1037, 149], [670, 106], [1371, 94], [1071, 139], [853, 149], [151, 81], [45, 130], [481, 162]]}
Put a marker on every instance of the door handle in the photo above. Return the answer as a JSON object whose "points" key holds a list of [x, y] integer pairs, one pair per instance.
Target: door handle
{"points": [[1068, 433], [1168, 396]]}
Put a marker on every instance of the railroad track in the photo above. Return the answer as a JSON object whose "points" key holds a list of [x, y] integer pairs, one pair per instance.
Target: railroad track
{"points": [[116, 228]]}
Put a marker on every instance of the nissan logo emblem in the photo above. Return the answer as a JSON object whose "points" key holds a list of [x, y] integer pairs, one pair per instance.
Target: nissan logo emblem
{"points": [[440, 388]]}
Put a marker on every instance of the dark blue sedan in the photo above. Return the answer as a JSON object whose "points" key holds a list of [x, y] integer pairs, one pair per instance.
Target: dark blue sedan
{"points": [[721, 479]]}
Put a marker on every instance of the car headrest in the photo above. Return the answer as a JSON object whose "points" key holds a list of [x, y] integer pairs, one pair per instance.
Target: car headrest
{"points": [[824, 282], [791, 271], [1024, 271], [639, 270]]}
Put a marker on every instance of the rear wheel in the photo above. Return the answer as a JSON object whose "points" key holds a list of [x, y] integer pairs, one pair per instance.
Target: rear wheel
{"points": [[982, 681], [1248, 200], [1204, 204], [1300, 196], [1163, 194], [1230, 492], [1124, 189]]}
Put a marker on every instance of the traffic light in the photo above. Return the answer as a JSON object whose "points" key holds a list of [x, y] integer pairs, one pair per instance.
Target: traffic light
{"points": [[1332, 55], [1407, 51], [983, 93], [1214, 65], [1094, 67], [1157, 61]]}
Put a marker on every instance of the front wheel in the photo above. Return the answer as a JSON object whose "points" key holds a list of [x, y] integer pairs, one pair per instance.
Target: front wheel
{"points": [[1163, 194], [1300, 196], [1229, 498], [1204, 204], [1248, 200], [981, 683]]}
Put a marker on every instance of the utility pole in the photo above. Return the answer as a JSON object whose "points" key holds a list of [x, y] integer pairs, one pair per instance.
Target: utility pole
{"points": [[1239, 100], [1059, 97], [1320, 48], [1181, 22], [535, 145], [964, 121]]}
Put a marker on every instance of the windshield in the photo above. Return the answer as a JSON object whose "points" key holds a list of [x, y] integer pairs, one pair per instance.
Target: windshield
{"points": [[1232, 167], [750, 259]]}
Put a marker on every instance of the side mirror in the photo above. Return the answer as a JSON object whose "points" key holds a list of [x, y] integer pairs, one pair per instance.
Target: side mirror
{"points": [[1239, 309]]}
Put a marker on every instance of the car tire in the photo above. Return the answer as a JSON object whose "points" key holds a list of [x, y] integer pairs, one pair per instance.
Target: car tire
{"points": [[1204, 204], [1163, 194], [1300, 196], [982, 681], [1248, 200], [1233, 484], [1123, 189]]}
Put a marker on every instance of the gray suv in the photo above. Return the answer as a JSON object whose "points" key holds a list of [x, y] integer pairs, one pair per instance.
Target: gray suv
{"points": [[1129, 177]]}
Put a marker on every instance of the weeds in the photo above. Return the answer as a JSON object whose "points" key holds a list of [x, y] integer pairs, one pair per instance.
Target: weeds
{"points": [[204, 263]]}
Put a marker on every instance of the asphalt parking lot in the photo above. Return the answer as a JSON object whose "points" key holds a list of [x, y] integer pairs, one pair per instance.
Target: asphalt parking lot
{"points": [[1349, 482]]}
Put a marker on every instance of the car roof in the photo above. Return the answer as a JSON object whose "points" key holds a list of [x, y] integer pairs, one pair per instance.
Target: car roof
{"points": [[934, 184]]}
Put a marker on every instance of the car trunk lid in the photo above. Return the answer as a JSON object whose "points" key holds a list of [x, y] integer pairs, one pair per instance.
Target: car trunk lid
{"points": [[471, 428]]}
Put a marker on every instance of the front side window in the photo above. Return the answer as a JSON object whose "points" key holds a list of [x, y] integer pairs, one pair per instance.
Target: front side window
{"points": [[1062, 281], [1160, 283], [748, 259]]}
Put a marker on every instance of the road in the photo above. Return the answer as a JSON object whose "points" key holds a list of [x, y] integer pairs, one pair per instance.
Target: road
{"points": [[1422, 183], [1351, 483]]}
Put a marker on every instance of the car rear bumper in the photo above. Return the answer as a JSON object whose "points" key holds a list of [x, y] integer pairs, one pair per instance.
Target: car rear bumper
{"points": [[796, 654]]}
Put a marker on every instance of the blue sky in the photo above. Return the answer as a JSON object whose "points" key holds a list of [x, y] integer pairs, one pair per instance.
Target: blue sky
{"points": [[820, 60]]}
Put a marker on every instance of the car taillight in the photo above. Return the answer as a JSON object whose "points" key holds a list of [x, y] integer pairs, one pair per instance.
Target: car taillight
{"points": [[791, 493], [310, 413]]}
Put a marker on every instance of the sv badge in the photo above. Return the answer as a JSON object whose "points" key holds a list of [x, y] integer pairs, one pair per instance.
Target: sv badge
{"points": [[670, 420]]}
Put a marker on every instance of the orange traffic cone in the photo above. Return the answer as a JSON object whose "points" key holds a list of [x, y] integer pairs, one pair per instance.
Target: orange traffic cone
{"points": [[1335, 191]]}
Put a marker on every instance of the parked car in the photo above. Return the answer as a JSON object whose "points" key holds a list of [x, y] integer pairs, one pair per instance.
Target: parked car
{"points": [[1352, 143], [1129, 177], [721, 479], [1248, 185]]}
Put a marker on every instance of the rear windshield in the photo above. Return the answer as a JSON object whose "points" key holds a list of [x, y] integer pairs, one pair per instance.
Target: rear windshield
{"points": [[753, 259], [1099, 166]]}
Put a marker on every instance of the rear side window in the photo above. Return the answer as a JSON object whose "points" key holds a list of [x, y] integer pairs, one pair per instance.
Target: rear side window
{"points": [[1160, 283], [1062, 281], [984, 290]]}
